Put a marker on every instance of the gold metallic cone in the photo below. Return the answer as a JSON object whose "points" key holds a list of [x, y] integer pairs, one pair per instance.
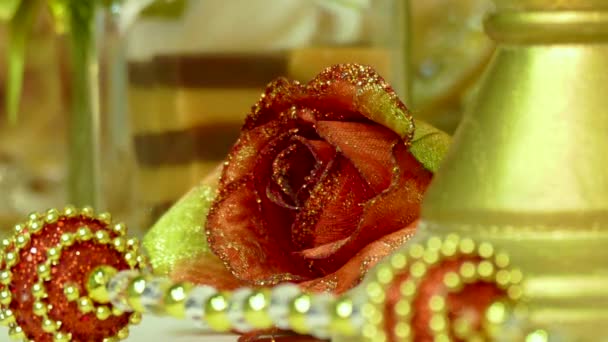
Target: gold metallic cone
{"points": [[527, 168]]}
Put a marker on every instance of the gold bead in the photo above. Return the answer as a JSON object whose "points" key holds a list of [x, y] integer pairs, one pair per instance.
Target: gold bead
{"points": [[5, 277], [5, 297], [538, 336], [430, 257], [437, 323], [468, 270], [452, 281], [102, 236], [18, 228], [131, 259], [116, 311], [341, 315], [416, 251], [105, 218], [502, 260], [434, 243], [49, 326], [463, 328], [53, 254], [111, 339], [399, 261], [52, 215], [7, 317], [485, 269], [67, 239], [44, 271], [408, 288], [449, 247], [87, 212], [496, 313], [375, 292], [70, 211], [39, 308], [35, 226], [123, 333], [384, 274], [16, 333], [467, 246], [216, 310], [403, 309], [485, 250], [85, 304], [84, 233], [71, 292], [403, 331], [135, 318], [515, 292], [418, 269], [503, 278], [33, 216], [5, 244], [135, 289], [120, 229], [133, 244], [516, 276], [11, 259], [175, 299], [255, 309], [298, 309], [119, 244], [437, 303], [62, 337], [103, 312], [97, 281], [38, 291], [21, 241]]}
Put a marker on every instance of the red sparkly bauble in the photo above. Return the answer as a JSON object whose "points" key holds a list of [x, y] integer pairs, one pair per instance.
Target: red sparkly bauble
{"points": [[75, 262], [442, 290]]}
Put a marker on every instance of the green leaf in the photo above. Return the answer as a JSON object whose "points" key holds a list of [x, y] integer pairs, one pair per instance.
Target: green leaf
{"points": [[429, 145], [19, 27], [180, 233]]}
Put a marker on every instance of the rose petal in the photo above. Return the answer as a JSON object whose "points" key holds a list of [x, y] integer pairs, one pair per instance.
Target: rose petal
{"points": [[351, 273], [354, 92], [390, 211], [368, 146], [243, 156], [333, 209], [292, 167], [274, 103], [238, 234]]}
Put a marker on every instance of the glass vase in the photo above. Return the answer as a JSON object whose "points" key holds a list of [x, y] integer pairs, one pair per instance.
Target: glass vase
{"points": [[70, 140]]}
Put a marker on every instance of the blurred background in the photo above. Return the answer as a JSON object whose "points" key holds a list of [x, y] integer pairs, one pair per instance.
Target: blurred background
{"points": [[170, 82]]}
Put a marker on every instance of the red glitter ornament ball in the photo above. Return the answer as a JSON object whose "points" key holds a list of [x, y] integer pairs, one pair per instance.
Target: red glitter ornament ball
{"points": [[48, 253], [443, 290]]}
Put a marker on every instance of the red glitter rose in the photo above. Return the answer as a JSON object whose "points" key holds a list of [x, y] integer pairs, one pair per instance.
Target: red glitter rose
{"points": [[321, 184]]}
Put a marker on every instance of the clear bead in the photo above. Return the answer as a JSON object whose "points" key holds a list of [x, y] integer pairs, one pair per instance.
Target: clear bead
{"points": [[117, 289], [152, 296], [236, 310], [195, 304], [280, 298]]}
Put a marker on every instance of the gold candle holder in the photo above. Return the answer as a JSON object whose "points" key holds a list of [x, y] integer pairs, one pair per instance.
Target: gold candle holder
{"points": [[527, 169]]}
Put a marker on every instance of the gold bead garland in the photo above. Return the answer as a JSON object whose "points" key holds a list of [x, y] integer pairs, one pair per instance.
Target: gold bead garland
{"points": [[362, 311]]}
